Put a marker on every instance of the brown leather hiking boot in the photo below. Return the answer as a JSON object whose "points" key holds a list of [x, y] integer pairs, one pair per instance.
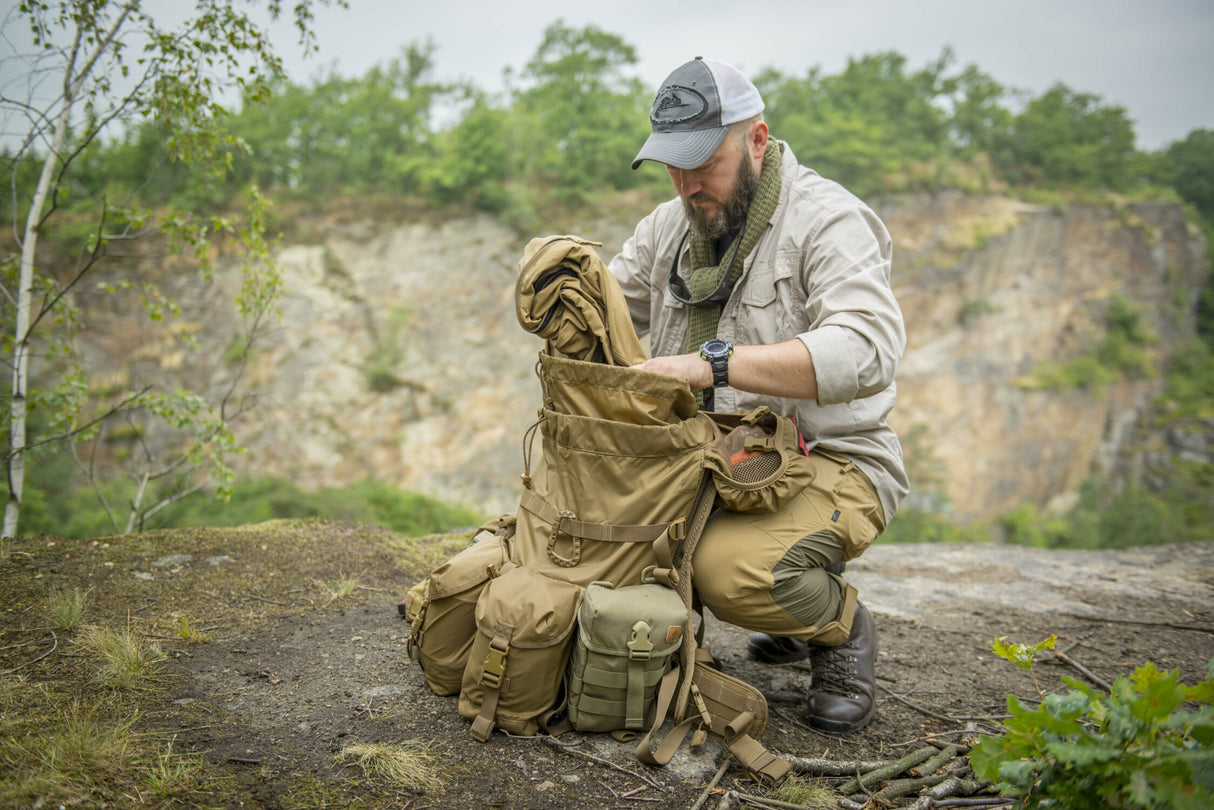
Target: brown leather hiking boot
{"points": [[776, 649], [843, 691]]}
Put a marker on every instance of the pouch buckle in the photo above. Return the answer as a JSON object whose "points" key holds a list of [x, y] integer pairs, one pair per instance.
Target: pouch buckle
{"points": [[495, 667], [641, 644], [701, 706]]}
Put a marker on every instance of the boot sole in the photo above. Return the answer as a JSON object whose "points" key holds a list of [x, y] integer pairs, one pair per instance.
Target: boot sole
{"points": [[842, 728]]}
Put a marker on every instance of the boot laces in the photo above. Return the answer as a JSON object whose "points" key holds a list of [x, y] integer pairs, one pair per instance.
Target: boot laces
{"points": [[833, 673]]}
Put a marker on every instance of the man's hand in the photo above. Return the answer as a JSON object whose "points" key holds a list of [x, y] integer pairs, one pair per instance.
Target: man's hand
{"points": [[692, 368]]}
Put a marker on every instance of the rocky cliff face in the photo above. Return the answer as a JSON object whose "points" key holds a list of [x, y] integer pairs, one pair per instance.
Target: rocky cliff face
{"points": [[399, 356], [993, 290]]}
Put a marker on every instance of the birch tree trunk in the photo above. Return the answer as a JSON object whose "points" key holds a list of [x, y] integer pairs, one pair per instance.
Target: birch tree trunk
{"points": [[72, 83]]}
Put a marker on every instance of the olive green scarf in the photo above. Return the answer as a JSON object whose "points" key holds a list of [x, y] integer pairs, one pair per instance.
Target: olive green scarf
{"points": [[706, 275]]}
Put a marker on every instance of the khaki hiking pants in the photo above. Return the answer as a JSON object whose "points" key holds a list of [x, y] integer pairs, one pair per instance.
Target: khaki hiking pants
{"points": [[765, 572]]}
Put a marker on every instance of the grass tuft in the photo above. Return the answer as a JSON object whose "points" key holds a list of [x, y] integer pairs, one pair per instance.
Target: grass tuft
{"points": [[189, 633], [172, 774], [63, 763], [125, 661], [67, 607], [409, 765], [340, 589], [807, 793]]}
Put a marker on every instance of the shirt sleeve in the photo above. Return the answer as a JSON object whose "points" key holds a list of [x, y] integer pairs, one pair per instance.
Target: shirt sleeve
{"points": [[857, 336]]}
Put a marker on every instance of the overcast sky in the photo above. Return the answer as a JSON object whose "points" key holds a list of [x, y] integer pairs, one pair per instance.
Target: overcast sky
{"points": [[1155, 58]]}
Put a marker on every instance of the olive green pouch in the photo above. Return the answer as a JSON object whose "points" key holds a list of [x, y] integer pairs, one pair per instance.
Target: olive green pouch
{"points": [[626, 641]]}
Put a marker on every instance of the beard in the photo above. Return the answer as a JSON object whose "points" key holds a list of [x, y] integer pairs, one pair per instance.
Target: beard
{"points": [[731, 213]]}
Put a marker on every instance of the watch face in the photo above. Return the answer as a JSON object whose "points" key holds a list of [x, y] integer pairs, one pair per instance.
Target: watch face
{"points": [[716, 348]]}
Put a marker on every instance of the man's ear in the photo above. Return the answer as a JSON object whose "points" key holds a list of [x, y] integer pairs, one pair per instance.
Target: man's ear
{"points": [[757, 139]]}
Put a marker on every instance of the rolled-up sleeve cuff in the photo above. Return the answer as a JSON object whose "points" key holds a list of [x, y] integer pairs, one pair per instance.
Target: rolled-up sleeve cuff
{"points": [[838, 378]]}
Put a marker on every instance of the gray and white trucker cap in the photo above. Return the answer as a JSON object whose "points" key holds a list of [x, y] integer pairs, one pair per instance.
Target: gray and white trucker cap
{"points": [[693, 111]]}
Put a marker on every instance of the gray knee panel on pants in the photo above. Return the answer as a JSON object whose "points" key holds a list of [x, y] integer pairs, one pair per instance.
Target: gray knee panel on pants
{"points": [[803, 587]]}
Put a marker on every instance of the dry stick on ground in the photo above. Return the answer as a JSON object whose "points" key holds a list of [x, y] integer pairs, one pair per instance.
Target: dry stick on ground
{"points": [[947, 754], [263, 599], [949, 787], [716, 780], [764, 801], [609, 764], [912, 759], [54, 647], [830, 767], [994, 718], [931, 739], [1087, 673], [897, 788], [1200, 628]]}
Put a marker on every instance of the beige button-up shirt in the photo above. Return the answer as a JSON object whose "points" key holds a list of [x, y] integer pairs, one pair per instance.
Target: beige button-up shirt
{"points": [[821, 274]]}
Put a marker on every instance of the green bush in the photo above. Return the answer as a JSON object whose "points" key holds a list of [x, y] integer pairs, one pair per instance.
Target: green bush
{"points": [[50, 507], [918, 526], [1140, 746], [1106, 517], [367, 501]]}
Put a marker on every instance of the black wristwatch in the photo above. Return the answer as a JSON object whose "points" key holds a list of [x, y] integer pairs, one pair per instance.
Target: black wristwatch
{"points": [[716, 352]]}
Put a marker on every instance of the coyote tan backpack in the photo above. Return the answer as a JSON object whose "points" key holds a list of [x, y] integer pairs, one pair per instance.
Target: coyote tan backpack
{"points": [[621, 468]]}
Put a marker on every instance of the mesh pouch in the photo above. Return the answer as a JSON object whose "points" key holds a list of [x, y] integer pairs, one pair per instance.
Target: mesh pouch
{"points": [[757, 463]]}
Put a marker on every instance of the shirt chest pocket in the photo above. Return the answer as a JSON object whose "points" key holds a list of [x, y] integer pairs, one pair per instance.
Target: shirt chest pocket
{"points": [[772, 307]]}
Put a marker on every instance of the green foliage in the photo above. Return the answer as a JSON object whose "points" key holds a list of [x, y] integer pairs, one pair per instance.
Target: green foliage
{"points": [[1189, 168], [1105, 517], [164, 105], [865, 124], [1148, 744], [571, 120], [1022, 655], [1122, 353], [1189, 385], [913, 525], [367, 501], [582, 113], [974, 309], [1068, 138]]}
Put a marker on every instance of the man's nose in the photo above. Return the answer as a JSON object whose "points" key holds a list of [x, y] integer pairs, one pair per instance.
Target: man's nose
{"points": [[685, 183]]}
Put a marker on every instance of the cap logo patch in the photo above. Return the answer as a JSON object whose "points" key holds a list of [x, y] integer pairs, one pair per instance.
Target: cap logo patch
{"points": [[677, 104]]}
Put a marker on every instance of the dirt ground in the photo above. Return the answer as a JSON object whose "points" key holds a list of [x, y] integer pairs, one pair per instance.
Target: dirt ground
{"points": [[285, 673]]}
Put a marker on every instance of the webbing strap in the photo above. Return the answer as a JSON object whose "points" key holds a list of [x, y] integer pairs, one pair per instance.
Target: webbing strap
{"points": [[751, 754], [674, 739], [603, 532], [493, 679], [705, 500]]}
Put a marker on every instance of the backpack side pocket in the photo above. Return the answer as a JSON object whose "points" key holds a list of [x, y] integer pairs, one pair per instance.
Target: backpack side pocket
{"points": [[444, 623], [516, 665]]}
